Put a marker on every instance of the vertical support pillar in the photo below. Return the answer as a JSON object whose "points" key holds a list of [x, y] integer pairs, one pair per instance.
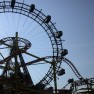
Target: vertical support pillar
{"points": [[16, 61], [16, 47], [54, 72]]}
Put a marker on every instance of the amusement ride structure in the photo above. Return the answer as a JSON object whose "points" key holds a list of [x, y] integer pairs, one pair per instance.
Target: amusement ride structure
{"points": [[17, 54]]}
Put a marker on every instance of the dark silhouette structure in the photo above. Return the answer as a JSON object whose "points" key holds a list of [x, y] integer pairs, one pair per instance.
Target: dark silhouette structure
{"points": [[15, 77]]}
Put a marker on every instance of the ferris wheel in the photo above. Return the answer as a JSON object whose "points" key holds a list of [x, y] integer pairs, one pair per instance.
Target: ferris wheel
{"points": [[31, 50], [30, 46]]}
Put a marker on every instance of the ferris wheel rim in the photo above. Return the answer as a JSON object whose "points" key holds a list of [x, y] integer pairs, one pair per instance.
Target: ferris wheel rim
{"points": [[23, 9]]}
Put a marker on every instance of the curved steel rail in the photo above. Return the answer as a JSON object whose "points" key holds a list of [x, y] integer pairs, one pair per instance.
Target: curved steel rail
{"points": [[74, 69]]}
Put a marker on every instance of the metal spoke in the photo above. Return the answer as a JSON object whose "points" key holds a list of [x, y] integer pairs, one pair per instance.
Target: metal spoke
{"points": [[34, 56]]}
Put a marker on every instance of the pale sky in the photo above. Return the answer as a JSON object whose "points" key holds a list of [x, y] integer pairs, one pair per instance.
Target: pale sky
{"points": [[76, 19]]}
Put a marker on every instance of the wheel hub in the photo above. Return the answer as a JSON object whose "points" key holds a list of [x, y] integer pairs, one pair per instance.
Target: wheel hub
{"points": [[22, 43]]}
